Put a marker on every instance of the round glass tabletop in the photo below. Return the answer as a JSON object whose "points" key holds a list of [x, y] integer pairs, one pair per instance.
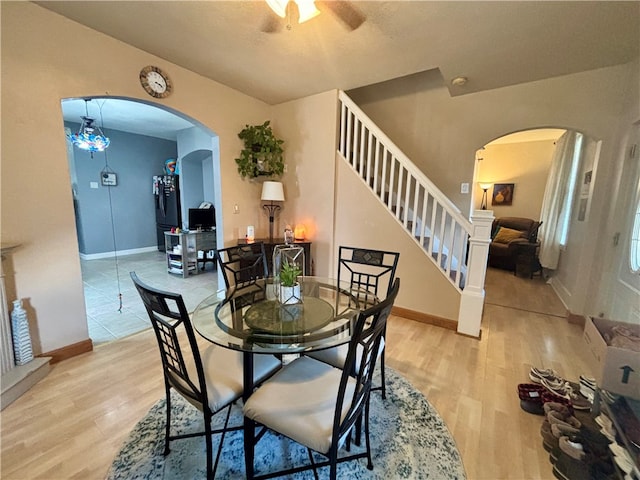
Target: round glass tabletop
{"points": [[251, 319]]}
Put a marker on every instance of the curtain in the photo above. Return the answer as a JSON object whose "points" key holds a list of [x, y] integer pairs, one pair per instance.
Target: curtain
{"points": [[557, 200]]}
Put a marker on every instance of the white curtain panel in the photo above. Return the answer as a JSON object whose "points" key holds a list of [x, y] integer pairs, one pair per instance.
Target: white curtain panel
{"points": [[556, 204]]}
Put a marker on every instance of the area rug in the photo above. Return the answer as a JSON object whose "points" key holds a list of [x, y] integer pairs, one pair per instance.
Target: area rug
{"points": [[408, 437]]}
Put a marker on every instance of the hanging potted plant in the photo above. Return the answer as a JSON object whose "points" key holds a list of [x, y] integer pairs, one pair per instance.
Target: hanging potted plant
{"points": [[262, 153], [289, 286]]}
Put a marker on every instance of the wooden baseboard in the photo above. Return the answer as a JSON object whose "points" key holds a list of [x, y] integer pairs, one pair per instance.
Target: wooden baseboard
{"points": [[425, 318], [69, 351]]}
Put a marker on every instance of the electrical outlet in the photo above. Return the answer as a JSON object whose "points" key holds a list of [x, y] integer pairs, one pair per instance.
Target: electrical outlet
{"points": [[464, 188], [236, 209], [93, 184]]}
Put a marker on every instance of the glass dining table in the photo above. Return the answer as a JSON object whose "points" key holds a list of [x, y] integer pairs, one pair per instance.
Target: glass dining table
{"points": [[252, 320]]}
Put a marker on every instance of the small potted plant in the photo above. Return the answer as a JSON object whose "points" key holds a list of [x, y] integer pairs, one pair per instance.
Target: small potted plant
{"points": [[262, 153], [289, 286]]}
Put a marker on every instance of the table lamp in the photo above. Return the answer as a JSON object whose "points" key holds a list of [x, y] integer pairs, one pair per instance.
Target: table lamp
{"points": [[272, 192]]}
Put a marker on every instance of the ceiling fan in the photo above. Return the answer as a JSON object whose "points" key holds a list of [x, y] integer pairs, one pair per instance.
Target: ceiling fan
{"points": [[299, 11]]}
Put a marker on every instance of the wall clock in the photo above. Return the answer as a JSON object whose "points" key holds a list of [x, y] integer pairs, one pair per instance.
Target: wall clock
{"points": [[155, 82]]}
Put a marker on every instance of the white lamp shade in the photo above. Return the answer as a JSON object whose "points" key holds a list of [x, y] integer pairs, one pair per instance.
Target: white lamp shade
{"points": [[272, 191], [485, 186]]}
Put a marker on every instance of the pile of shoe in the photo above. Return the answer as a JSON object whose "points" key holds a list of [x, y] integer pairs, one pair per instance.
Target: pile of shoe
{"points": [[571, 392], [576, 451]]}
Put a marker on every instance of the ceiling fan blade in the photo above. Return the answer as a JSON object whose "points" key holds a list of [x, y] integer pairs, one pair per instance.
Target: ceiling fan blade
{"points": [[346, 13]]}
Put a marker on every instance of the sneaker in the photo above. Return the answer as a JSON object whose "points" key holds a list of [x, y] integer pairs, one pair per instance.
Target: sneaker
{"points": [[549, 440], [570, 391], [572, 448], [568, 468], [568, 421], [561, 408], [588, 387], [537, 375], [606, 427]]}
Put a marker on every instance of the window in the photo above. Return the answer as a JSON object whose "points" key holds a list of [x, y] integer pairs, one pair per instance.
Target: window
{"points": [[565, 216], [634, 254]]}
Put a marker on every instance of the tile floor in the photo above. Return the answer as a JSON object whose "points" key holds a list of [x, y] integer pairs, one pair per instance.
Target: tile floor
{"points": [[102, 282]]}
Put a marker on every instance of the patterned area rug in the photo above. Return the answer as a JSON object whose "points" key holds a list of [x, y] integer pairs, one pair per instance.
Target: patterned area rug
{"points": [[408, 440]]}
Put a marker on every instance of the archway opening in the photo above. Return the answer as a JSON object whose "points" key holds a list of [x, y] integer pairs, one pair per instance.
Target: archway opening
{"points": [[116, 221]]}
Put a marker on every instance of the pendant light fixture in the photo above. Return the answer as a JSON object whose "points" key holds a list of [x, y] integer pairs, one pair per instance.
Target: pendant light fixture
{"points": [[89, 137]]}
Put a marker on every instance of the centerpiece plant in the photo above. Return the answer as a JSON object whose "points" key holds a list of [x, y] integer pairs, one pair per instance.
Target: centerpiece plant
{"points": [[289, 291], [289, 274]]}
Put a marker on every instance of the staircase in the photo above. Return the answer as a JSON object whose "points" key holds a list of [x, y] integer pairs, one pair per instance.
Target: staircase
{"points": [[456, 245]]}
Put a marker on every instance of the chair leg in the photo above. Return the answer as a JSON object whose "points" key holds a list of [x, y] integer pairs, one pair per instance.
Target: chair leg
{"points": [[209, 444], [333, 467], [168, 426], [366, 436], [224, 431], [384, 383], [312, 462], [249, 445]]}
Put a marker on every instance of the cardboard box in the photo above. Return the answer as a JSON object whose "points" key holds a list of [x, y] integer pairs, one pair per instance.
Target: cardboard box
{"points": [[618, 368]]}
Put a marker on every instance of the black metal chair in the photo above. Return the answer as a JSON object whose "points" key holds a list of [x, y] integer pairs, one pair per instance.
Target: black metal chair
{"points": [[317, 405], [211, 382], [242, 266], [370, 274]]}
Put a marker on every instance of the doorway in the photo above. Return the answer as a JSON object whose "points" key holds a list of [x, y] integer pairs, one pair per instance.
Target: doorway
{"points": [[116, 222]]}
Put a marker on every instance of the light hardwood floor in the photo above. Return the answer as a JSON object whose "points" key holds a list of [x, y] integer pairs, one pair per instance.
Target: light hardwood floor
{"points": [[71, 424]]}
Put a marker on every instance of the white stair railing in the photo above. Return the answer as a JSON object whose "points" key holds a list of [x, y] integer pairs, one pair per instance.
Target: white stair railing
{"points": [[424, 212]]}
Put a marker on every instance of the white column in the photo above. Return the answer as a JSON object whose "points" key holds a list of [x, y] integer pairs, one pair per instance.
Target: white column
{"points": [[472, 299]]}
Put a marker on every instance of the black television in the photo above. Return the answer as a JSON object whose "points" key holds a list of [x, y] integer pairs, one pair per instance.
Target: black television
{"points": [[202, 218]]}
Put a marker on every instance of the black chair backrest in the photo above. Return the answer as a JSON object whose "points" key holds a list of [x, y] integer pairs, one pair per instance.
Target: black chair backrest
{"points": [[363, 348], [242, 265], [168, 316], [367, 270]]}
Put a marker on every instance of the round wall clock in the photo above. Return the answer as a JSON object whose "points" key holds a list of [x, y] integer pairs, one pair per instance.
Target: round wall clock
{"points": [[155, 82]]}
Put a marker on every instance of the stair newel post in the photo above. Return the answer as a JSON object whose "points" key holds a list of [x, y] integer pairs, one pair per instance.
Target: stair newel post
{"points": [[472, 299]]}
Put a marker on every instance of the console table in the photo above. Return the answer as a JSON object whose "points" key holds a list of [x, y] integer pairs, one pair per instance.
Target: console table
{"points": [[269, 246], [182, 250]]}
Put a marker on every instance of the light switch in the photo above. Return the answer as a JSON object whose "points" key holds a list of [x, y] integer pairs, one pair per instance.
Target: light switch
{"points": [[93, 184], [464, 188]]}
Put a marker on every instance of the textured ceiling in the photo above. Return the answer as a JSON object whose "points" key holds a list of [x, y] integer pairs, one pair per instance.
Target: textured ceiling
{"points": [[492, 43]]}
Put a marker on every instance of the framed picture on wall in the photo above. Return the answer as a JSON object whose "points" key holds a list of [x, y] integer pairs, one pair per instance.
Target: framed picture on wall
{"points": [[502, 194], [109, 179]]}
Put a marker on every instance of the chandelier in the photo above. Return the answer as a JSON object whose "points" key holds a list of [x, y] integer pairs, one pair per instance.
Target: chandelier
{"points": [[89, 137]]}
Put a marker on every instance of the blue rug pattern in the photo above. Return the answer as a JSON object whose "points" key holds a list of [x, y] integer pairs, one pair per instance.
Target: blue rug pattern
{"points": [[409, 440]]}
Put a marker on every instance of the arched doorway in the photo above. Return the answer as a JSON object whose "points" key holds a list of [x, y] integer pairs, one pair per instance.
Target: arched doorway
{"points": [[116, 221]]}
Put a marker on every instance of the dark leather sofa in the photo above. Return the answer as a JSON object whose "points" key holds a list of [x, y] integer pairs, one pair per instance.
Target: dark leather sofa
{"points": [[515, 230]]}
